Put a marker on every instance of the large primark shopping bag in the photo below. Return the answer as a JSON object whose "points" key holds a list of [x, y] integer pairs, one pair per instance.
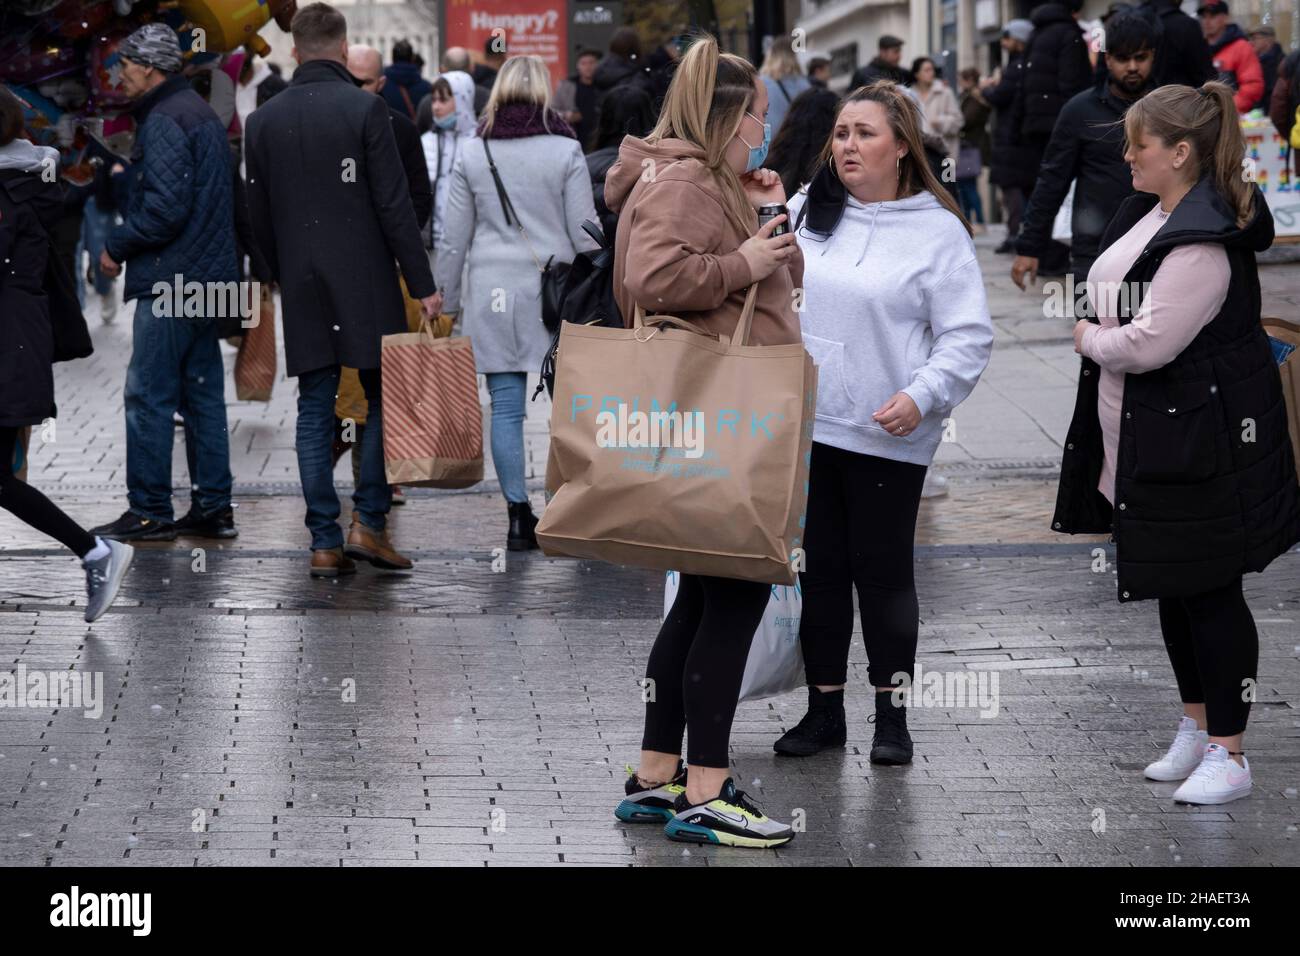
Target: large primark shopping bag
{"points": [[678, 450]]}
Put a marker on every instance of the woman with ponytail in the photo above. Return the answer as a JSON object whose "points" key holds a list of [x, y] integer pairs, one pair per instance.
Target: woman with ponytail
{"points": [[688, 243], [1179, 442], [895, 317]]}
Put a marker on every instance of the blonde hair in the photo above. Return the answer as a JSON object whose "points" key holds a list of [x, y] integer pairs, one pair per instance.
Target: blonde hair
{"points": [[780, 61], [522, 79], [914, 173], [1207, 120], [705, 105]]}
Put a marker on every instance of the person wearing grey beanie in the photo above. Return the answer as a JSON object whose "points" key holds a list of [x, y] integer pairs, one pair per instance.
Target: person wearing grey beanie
{"points": [[153, 45], [177, 229]]}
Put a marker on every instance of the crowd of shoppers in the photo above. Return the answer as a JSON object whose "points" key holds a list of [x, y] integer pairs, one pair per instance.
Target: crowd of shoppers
{"points": [[373, 194]]}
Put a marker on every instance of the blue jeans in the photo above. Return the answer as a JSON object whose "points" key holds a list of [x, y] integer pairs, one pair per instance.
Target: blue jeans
{"points": [[507, 390], [95, 227], [972, 207], [175, 367], [317, 391]]}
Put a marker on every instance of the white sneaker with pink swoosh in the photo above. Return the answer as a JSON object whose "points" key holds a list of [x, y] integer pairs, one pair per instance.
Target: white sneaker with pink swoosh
{"points": [[1218, 779]]}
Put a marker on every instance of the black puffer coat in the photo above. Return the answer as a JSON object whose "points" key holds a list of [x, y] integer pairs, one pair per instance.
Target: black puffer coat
{"points": [[1013, 164], [26, 332], [1056, 68], [1197, 503]]}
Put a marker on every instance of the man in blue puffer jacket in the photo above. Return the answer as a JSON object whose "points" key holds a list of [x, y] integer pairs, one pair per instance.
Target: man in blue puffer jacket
{"points": [[178, 230]]}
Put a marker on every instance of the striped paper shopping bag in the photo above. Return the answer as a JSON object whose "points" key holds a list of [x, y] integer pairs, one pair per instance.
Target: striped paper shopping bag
{"points": [[255, 363], [433, 425]]}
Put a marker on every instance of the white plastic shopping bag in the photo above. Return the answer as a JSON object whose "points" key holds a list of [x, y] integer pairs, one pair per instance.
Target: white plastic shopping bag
{"points": [[1062, 228], [775, 664]]}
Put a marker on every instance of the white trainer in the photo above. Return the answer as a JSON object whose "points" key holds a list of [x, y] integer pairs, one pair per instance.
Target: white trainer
{"points": [[1184, 753], [1217, 780]]}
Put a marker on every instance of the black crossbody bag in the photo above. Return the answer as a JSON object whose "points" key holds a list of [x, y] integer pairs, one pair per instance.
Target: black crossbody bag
{"points": [[554, 274]]}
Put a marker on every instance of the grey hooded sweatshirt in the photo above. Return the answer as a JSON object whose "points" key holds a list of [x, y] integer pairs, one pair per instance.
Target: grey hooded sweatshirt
{"points": [[893, 301]]}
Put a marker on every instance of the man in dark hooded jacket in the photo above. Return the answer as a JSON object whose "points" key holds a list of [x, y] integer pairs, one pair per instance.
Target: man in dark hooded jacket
{"points": [[884, 65], [404, 86]]}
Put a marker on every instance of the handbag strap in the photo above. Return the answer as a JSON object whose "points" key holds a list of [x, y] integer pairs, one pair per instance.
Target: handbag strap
{"points": [[508, 208], [411, 111]]}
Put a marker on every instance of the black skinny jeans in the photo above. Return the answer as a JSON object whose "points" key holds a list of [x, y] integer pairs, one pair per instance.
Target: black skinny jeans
{"points": [[30, 506], [1214, 649], [697, 664], [859, 533]]}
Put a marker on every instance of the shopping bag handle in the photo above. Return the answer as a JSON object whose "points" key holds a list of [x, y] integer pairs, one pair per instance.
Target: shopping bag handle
{"points": [[737, 340]]}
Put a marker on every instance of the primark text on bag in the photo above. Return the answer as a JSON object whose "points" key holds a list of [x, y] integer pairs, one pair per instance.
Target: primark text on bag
{"points": [[679, 450]]}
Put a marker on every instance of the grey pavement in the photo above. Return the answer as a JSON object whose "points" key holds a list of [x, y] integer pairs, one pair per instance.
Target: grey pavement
{"points": [[460, 715]]}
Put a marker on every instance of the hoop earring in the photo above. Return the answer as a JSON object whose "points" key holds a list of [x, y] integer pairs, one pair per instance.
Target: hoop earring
{"points": [[898, 167], [834, 172]]}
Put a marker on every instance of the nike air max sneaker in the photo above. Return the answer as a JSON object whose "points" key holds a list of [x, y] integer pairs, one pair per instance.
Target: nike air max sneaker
{"points": [[1184, 753], [1218, 779], [650, 804], [729, 819]]}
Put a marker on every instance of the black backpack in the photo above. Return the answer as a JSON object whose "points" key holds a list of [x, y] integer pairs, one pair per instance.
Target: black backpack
{"points": [[587, 298]]}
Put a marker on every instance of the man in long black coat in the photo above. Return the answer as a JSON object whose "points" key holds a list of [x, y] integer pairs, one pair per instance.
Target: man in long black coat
{"points": [[331, 212]]}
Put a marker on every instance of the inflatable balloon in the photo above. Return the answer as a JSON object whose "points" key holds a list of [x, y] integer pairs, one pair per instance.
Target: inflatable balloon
{"points": [[227, 24]]}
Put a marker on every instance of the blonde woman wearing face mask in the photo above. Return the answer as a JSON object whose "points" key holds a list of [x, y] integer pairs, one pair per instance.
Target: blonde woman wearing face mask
{"points": [[689, 244]]}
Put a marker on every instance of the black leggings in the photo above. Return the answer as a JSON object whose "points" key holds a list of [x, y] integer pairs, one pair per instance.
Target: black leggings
{"points": [[1214, 649], [697, 664], [859, 533], [30, 506]]}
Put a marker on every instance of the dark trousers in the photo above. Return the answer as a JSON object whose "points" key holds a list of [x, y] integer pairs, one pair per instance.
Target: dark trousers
{"points": [[697, 664], [31, 507], [972, 206], [175, 367], [1013, 205], [317, 391], [860, 528], [1214, 649]]}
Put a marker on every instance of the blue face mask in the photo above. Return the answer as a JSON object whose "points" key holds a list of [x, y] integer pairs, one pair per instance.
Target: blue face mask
{"points": [[757, 153], [445, 122]]}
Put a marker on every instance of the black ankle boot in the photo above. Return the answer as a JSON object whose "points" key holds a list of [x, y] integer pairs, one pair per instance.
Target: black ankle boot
{"points": [[822, 727], [892, 744], [522, 535]]}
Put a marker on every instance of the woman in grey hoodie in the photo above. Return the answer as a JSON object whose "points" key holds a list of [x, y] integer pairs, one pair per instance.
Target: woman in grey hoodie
{"points": [[895, 317]]}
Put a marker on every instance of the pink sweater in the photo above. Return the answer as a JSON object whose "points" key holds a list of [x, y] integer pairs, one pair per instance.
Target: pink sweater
{"points": [[1186, 292]]}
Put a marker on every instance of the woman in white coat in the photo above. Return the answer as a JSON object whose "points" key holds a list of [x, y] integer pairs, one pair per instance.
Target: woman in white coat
{"points": [[544, 176], [452, 104]]}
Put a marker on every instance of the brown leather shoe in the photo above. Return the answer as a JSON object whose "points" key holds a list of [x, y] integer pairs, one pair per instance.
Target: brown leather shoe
{"points": [[331, 563], [366, 544]]}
